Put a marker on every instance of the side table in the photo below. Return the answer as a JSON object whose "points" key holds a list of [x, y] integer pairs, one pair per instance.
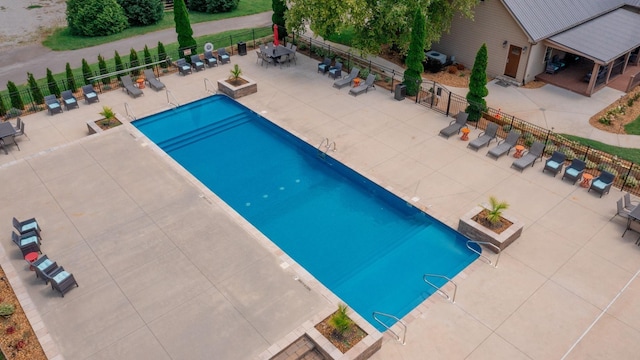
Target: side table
{"points": [[519, 151], [30, 258], [465, 134], [586, 180]]}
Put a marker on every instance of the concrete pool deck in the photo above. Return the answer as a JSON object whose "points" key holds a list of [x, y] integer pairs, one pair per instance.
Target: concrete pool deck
{"points": [[167, 271]]}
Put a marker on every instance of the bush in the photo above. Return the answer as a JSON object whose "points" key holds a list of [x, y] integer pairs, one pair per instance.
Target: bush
{"points": [[52, 84], [7, 309], [568, 153], [133, 62], [162, 55], [102, 65], [529, 139], [71, 81], [14, 94], [213, 6], [452, 70], [3, 110], [38, 98], [608, 168], [118, 62], [550, 148], [142, 12], [95, 17], [631, 181], [86, 72], [339, 320], [590, 164], [147, 57]]}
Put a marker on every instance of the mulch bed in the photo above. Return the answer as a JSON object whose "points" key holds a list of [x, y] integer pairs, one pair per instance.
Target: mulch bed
{"points": [[345, 341]]}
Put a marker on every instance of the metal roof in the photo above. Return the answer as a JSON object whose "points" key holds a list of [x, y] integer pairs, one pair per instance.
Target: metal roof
{"points": [[604, 38], [543, 18]]}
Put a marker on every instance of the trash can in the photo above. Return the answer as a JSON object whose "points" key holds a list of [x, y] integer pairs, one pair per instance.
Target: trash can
{"points": [[401, 91], [242, 48]]}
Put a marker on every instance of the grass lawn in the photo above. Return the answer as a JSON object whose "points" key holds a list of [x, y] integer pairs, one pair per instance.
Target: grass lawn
{"points": [[632, 155], [633, 128], [344, 38], [61, 39]]}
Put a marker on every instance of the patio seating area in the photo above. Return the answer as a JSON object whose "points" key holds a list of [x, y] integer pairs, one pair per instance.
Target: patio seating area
{"points": [[171, 264]]}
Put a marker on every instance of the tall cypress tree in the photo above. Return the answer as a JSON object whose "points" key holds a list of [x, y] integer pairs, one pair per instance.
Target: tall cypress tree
{"points": [[38, 98], [102, 65], [415, 55], [3, 109], [71, 81], [162, 55], [86, 72], [147, 57], [52, 84], [278, 18], [119, 65], [14, 94], [183, 27], [478, 86], [133, 62]]}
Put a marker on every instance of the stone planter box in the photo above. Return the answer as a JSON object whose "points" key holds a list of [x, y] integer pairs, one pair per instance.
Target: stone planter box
{"points": [[477, 232], [237, 91]]}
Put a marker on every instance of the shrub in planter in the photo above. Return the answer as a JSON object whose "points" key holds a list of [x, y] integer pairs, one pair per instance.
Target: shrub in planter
{"points": [[7, 309]]}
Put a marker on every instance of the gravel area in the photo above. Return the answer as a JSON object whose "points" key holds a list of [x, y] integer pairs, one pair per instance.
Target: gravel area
{"points": [[25, 22]]}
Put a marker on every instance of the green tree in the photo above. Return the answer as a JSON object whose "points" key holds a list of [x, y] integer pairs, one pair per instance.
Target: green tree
{"points": [[52, 84], [119, 66], [162, 55], [86, 72], [183, 27], [102, 66], [478, 86], [278, 18], [3, 109], [142, 12], [415, 56], [36, 93], [375, 22], [213, 6], [95, 17], [14, 94], [147, 57], [133, 62], [71, 81]]}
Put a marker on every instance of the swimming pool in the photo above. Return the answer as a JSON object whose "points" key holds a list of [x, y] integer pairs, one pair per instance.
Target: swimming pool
{"points": [[368, 246]]}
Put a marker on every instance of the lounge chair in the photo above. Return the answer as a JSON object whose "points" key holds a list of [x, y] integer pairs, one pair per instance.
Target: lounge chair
{"points": [[364, 87], [456, 125], [529, 157], [485, 137], [336, 71], [555, 163], [346, 81], [324, 66], [504, 146], [152, 80], [628, 203], [52, 104], [62, 281], [197, 63], [28, 242], [69, 100], [602, 184], [183, 67], [574, 171], [27, 226], [44, 267], [127, 85], [223, 56], [90, 95], [209, 59]]}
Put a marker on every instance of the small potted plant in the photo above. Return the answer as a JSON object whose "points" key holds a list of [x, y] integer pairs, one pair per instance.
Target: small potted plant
{"points": [[236, 85]]}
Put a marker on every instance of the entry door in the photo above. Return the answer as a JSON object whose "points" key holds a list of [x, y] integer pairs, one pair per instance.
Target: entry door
{"points": [[513, 60]]}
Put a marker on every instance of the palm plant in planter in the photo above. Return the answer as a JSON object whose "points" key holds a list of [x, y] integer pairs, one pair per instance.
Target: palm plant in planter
{"points": [[494, 214], [109, 119], [235, 78], [340, 330], [340, 321]]}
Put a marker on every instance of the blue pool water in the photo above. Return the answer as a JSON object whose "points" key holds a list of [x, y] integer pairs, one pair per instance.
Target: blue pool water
{"points": [[365, 244]]}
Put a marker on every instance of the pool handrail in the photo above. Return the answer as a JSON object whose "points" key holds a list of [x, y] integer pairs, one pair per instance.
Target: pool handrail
{"points": [[439, 290], [129, 112], [176, 104], [497, 250], [399, 321], [206, 87]]}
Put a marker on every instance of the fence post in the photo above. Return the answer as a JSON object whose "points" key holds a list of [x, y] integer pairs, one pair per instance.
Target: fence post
{"points": [[393, 78], [418, 83], [448, 104], [231, 43], [253, 37], [586, 153], [624, 180]]}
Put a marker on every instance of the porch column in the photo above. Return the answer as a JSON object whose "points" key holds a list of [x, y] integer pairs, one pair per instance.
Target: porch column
{"points": [[592, 80]]}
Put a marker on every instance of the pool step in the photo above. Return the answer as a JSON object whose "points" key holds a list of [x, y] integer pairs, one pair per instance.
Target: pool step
{"points": [[209, 130]]}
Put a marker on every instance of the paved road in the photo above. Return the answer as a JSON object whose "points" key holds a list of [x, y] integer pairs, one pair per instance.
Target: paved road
{"points": [[15, 64]]}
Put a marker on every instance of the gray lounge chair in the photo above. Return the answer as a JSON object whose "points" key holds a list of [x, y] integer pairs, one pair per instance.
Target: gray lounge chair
{"points": [[152, 80], [529, 157], [69, 100], [223, 56], [346, 81], [574, 171], [485, 137], [90, 95], [62, 281], [363, 88], [52, 104], [504, 146], [456, 125], [209, 59], [28, 242], [127, 85], [602, 184], [336, 71], [44, 267], [197, 63], [183, 67], [324, 66], [555, 163]]}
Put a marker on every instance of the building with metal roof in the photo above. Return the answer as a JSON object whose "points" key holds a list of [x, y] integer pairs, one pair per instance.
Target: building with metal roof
{"points": [[583, 44]]}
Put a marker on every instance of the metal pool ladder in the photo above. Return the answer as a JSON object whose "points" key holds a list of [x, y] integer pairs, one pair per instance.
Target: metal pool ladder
{"points": [[438, 290], [399, 321], [176, 104], [486, 259], [129, 112], [327, 146], [208, 82]]}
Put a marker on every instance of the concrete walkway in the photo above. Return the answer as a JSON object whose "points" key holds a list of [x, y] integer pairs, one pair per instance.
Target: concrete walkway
{"points": [[168, 271]]}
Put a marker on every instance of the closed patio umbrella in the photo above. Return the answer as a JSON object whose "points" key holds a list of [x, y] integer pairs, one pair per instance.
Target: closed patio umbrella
{"points": [[276, 41]]}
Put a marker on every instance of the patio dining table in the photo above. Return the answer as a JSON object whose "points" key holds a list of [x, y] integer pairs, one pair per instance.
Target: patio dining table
{"points": [[6, 131], [279, 51]]}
